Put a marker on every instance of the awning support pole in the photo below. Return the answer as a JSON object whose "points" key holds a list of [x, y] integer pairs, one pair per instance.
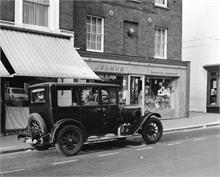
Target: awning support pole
{"points": [[143, 95]]}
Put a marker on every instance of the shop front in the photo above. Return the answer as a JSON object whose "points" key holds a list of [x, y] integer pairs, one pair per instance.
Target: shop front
{"points": [[161, 88], [30, 57]]}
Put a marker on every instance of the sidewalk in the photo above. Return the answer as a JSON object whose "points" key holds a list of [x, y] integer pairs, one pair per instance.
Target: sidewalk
{"points": [[196, 120]]}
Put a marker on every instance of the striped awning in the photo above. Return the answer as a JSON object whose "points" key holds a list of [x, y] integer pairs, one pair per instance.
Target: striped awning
{"points": [[3, 71], [42, 55]]}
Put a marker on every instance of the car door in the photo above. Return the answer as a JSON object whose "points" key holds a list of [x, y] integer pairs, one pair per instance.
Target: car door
{"points": [[110, 109], [68, 104], [91, 110]]}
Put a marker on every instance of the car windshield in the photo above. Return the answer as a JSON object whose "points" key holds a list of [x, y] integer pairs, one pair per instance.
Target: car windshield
{"points": [[18, 90]]}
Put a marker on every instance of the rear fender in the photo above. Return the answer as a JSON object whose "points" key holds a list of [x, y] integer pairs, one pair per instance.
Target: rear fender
{"points": [[58, 125], [142, 120]]}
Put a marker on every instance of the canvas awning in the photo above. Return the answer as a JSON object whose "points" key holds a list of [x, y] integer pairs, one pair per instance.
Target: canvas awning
{"points": [[42, 55], [3, 71]]}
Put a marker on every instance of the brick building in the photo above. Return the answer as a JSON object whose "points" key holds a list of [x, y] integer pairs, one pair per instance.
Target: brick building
{"points": [[133, 43], [136, 44]]}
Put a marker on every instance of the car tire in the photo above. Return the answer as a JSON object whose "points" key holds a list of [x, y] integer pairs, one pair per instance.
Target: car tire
{"points": [[69, 140], [37, 124], [152, 130]]}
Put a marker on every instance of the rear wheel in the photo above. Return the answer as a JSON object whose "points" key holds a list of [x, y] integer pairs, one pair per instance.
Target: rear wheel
{"points": [[38, 128], [152, 130], [69, 140]]}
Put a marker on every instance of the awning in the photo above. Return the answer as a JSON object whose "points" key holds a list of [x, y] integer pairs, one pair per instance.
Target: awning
{"points": [[35, 54], [3, 71]]}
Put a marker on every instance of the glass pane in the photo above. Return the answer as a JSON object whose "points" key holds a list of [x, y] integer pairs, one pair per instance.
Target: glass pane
{"points": [[64, 97], [93, 45], [38, 95], [93, 37], [213, 91], [109, 96], [89, 97], [35, 13]]}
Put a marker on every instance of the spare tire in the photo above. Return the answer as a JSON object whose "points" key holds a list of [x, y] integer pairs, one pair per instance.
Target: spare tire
{"points": [[38, 127]]}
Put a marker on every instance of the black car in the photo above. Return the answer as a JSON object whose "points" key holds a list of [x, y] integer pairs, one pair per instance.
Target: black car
{"points": [[69, 115]]}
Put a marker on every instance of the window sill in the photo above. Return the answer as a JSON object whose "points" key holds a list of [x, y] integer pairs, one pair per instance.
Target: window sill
{"points": [[162, 58], [135, 1], [99, 51], [162, 7]]}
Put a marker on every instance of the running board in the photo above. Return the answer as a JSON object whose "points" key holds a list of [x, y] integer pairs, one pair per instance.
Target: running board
{"points": [[96, 139]]}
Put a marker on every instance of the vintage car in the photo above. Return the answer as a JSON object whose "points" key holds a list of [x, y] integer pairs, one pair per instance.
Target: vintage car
{"points": [[69, 115]]}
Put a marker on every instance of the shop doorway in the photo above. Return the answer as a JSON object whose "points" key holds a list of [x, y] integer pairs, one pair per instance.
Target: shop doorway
{"points": [[213, 97], [135, 88]]}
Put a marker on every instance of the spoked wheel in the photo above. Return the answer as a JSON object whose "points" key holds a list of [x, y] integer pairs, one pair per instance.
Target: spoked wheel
{"points": [[152, 130], [38, 128], [69, 140]]}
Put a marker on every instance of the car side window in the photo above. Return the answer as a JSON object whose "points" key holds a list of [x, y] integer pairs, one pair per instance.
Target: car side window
{"points": [[38, 95], [90, 96], [67, 97], [109, 96]]}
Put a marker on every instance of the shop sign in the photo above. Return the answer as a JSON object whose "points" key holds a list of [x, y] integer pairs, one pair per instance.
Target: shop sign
{"points": [[109, 68]]}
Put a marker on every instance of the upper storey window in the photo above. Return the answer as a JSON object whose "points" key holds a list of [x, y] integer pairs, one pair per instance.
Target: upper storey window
{"points": [[161, 3], [94, 34], [160, 43], [35, 12], [40, 15]]}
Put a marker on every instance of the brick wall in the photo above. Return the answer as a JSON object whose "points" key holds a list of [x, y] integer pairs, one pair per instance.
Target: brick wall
{"points": [[66, 15], [136, 13], [7, 10]]}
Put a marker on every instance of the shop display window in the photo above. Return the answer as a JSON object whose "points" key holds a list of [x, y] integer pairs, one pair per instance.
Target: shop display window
{"points": [[158, 93]]}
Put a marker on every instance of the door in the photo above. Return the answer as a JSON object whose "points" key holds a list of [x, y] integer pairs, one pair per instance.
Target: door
{"points": [[91, 111], [110, 110], [68, 104]]}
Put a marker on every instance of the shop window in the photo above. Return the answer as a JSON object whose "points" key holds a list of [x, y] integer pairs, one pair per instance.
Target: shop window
{"points": [[94, 33], [15, 96], [212, 94], [160, 43], [158, 94], [35, 12]]}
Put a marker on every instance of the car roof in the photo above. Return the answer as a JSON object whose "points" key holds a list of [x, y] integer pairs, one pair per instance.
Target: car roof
{"points": [[78, 84]]}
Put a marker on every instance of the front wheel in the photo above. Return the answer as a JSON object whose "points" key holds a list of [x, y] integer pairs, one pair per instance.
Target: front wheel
{"points": [[152, 130], [69, 140]]}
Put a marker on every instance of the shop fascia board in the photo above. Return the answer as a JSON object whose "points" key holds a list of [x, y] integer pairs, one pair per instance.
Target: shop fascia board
{"points": [[113, 68], [134, 63]]}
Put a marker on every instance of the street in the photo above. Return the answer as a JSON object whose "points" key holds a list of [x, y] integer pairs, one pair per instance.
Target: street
{"points": [[181, 154]]}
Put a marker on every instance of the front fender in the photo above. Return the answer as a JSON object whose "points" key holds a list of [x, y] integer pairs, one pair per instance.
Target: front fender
{"points": [[142, 120], [61, 123]]}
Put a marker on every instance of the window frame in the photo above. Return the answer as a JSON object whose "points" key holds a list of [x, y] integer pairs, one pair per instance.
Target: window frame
{"points": [[163, 44], [164, 5], [102, 33], [53, 17]]}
